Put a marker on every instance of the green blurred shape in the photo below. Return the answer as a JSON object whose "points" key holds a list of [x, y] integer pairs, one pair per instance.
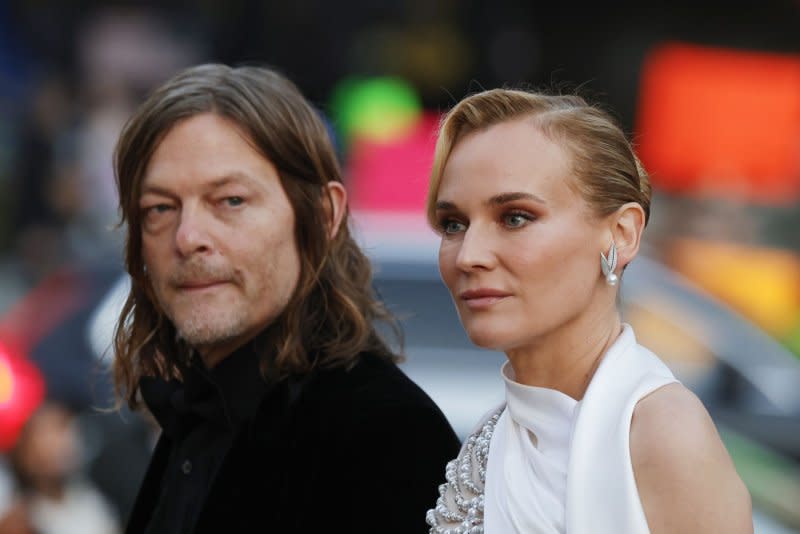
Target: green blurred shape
{"points": [[378, 109], [773, 481], [791, 339]]}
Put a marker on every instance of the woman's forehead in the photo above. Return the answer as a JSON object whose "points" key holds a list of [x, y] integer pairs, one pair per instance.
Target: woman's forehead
{"points": [[510, 156]]}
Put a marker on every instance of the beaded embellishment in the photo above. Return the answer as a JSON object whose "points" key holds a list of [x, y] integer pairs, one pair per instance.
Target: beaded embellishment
{"points": [[459, 508]]}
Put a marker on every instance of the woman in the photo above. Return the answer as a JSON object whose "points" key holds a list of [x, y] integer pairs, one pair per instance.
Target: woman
{"points": [[541, 203]]}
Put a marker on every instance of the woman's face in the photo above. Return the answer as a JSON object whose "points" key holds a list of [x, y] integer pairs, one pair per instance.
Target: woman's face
{"points": [[520, 249]]}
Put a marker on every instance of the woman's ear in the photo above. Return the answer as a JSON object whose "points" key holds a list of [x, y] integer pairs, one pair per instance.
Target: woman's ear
{"points": [[335, 207], [627, 227]]}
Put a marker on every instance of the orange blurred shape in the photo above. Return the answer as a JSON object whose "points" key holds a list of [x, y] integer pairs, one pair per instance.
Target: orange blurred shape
{"points": [[762, 284], [721, 122], [6, 382]]}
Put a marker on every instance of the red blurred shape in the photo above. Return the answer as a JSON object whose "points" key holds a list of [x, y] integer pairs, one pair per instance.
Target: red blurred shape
{"points": [[41, 309], [393, 176], [21, 392], [721, 122]]}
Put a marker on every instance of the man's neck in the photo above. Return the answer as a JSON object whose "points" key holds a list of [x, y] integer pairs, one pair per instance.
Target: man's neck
{"points": [[212, 355]]}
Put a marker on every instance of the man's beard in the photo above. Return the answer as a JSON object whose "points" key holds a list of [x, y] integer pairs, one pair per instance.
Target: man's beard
{"points": [[201, 328], [205, 325]]}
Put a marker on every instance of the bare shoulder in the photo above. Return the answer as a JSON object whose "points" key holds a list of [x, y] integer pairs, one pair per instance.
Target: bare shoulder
{"points": [[685, 477], [669, 421]]}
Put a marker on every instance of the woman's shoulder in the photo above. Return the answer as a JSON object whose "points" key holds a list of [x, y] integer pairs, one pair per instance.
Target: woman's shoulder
{"points": [[671, 429], [686, 480], [671, 412]]}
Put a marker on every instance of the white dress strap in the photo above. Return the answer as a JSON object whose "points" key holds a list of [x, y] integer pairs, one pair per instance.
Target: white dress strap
{"points": [[602, 497]]}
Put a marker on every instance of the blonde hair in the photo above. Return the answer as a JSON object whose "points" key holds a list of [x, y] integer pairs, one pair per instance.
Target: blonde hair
{"points": [[607, 172]]}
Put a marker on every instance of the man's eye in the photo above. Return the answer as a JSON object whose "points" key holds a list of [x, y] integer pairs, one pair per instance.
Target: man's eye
{"points": [[233, 201], [157, 209], [156, 215]]}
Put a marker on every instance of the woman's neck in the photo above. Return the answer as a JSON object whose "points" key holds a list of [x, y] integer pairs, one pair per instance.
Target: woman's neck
{"points": [[566, 359]]}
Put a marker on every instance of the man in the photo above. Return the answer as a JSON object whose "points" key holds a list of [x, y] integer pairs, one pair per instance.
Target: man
{"points": [[249, 328]]}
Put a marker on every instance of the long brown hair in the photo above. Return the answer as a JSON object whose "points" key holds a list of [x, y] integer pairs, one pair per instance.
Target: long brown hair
{"points": [[606, 170], [330, 318]]}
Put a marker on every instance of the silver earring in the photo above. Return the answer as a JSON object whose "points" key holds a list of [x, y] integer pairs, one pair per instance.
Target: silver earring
{"points": [[609, 265]]}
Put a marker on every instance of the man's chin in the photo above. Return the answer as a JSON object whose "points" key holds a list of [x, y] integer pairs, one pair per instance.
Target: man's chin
{"points": [[200, 336]]}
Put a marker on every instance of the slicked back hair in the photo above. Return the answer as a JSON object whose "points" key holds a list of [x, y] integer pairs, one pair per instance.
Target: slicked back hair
{"points": [[604, 167]]}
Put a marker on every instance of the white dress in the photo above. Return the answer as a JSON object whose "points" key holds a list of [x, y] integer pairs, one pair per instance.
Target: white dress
{"points": [[575, 476], [526, 479]]}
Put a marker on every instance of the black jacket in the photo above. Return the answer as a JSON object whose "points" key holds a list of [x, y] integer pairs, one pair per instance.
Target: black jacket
{"points": [[352, 451]]}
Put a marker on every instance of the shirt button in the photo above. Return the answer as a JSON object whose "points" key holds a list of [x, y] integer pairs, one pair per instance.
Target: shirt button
{"points": [[186, 467]]}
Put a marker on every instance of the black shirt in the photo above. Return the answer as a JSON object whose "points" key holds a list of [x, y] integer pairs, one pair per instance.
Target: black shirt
{"points": [[360, 449], [201, 417]]}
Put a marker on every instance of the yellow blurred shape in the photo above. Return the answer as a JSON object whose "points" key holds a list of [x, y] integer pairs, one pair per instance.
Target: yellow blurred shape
{"points": [[383, 110], [675, 336], [6, 382], [761, 283]]}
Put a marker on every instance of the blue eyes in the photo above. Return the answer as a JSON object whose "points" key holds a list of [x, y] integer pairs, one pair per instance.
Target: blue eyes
{"points": [[516, 220], [154, 216], [510, 221], [157, 215], [452, 227], [158, 209]]}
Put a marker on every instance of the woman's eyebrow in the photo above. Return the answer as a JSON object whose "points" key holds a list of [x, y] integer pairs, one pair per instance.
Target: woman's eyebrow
{"points": [[496, 200], [504, 198]]}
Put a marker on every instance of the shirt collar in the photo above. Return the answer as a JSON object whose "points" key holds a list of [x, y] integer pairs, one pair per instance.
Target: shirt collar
{"points": [[548, 413], [228, 394]]}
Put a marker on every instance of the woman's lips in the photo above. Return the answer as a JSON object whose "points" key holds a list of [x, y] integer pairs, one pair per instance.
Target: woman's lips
{"points": [[478, 299]]}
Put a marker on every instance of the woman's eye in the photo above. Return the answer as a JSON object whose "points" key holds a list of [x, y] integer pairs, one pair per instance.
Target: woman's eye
{"points": [[452, 227], [233, 201], [516, 220]]}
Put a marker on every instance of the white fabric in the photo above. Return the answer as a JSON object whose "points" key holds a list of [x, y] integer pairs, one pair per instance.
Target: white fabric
{"points": [[100, 329], [526, 485], [81, 510], [587, 487]]}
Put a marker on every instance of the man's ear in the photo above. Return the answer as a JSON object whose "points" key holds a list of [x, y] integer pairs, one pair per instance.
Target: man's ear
{"points": [[335, 207], [627, 227]]}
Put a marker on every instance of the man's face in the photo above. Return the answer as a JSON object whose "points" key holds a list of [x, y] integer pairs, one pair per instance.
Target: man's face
{"points": [[217, 235]]}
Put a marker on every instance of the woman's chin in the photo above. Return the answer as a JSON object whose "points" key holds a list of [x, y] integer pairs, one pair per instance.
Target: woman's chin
{"points": [[486, 340]]}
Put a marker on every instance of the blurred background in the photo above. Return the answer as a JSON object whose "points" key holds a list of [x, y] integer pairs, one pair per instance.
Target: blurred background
{"points": [[709, 92]]}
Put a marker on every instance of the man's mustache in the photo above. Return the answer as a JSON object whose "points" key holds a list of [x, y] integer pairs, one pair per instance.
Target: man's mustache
{"points": [[194, 272]]}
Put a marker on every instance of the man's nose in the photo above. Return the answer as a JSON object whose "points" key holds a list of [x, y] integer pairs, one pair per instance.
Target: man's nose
{"points": [[192, 235]]}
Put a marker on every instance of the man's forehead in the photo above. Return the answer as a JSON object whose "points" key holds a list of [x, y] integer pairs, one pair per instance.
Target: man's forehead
{"points": [[206, 149], [152, 181]]}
